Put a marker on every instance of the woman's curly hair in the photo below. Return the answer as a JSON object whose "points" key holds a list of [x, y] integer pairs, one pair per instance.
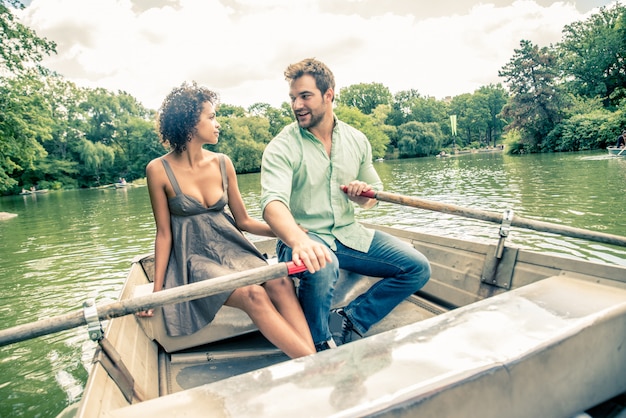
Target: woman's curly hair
{"points": [[180, 112]]}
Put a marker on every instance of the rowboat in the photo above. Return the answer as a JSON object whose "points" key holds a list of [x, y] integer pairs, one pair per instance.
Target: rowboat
{"points": [[617, 152], [497, 331], [31, 192]]}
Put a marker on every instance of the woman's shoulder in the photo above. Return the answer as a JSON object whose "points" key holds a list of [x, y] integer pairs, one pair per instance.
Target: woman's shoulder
{"points": [[153, 164]]}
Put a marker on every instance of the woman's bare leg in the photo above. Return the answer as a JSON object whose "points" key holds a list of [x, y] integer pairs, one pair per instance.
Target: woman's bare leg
{"points": [[255, 301], [282, 293]]}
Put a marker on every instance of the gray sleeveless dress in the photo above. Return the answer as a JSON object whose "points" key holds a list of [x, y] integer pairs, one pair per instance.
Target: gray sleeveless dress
{"points": [[206, 244]]}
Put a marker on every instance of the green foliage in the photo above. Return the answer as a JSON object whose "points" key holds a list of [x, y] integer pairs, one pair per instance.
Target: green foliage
{"points": [[513, 142], [537, 102], [593, 54], [243, 139], [365, 97], [418, 139], [567, 97], [24, 125], [19, 45], [479, 118], [367, 124], [580, 132]]}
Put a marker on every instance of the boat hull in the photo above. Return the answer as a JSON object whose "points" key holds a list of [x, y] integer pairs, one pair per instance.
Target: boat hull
{"points": [[532, 335], [617, 152]]}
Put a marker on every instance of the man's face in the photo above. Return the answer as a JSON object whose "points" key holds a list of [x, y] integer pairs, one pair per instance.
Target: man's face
{"points": [[307, 102]]}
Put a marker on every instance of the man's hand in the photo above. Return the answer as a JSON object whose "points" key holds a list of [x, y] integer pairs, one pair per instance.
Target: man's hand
{"points": [[314, 255], [354, 189]]}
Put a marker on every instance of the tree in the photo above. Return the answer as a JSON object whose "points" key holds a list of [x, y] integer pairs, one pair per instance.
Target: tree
{"points": [[365, 97], [25, 123], [277, 118], [366, 124], [24, 116], [243, 139], [536, 104], [418, 139], [402, 107], [20, 47], [593, 55], [461, 107], [489, 100]]}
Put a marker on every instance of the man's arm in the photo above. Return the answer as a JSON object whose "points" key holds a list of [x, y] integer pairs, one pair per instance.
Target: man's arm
{"points": [[313, 254]]}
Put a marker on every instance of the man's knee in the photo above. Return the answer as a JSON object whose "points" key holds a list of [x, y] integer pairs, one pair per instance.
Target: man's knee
{"points": [[423, 273]]}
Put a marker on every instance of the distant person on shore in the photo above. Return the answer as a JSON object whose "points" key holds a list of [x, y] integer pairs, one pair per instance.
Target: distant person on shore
{"points": [[303, 173], [621, 140], [197, 239]]}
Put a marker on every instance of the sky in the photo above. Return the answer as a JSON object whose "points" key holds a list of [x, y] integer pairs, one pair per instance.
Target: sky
{"points": [[240, 48]]}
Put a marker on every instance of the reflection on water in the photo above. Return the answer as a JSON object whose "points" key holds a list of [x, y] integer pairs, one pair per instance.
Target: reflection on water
{"points": [[66, 247]]}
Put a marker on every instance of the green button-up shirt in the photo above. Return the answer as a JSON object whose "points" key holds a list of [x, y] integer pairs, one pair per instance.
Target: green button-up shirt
{"points": [[297, 171]]}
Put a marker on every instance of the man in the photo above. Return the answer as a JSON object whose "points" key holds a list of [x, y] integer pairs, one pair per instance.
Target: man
{"points": [[304, 169]]}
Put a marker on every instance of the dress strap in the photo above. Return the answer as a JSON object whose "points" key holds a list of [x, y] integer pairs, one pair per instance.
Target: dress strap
{"points": [[171, 176], [224, 174]]}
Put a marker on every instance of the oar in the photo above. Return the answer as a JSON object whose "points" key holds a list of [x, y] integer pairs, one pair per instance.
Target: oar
{"points": [[496, 217], [142, 303]]}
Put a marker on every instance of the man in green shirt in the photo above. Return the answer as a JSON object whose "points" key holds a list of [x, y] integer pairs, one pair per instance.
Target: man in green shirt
{"points": [[304, 171]]}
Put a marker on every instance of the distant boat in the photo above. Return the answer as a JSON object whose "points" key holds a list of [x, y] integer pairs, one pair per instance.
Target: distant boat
{"points": [[379, 160], [617, 152], [27, 192], [121, 185]]}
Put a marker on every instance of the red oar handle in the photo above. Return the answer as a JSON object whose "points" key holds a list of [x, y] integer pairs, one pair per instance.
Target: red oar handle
{"points": [[293, 269], [370, 193]]}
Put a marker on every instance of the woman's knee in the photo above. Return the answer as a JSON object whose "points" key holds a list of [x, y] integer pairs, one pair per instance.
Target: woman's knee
{"points": [[248, 297], [280, 286]]}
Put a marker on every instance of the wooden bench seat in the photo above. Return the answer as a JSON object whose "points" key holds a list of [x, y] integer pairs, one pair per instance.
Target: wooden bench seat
{"points": [[229, 322]]}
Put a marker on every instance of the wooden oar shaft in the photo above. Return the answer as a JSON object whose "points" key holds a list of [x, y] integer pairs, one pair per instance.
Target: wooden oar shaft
{"points": [[141, 303], [497, 218]]}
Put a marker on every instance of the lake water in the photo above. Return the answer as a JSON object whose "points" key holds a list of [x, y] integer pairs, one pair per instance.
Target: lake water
{"points": [[66, 247]]}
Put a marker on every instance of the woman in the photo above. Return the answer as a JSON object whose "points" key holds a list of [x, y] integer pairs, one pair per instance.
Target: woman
{"points": [[196, 239]]}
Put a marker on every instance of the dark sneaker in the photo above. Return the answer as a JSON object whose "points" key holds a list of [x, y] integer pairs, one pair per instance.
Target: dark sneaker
{"points": [[348, 333], [326, 345]]}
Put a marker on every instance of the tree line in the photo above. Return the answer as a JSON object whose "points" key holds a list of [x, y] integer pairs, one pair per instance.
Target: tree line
{"points": [[563, 97]]}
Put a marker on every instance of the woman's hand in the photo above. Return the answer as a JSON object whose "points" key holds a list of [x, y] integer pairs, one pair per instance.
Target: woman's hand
{"points": [[145, 314]]}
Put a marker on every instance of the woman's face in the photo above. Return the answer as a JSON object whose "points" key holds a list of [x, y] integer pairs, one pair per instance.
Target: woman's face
{"points": [[208, 128]]}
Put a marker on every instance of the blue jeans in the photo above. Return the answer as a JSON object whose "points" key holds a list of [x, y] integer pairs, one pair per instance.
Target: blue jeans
{"points": [[403, 269]]}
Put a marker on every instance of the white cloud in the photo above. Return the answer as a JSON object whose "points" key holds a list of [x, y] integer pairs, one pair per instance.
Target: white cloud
{"points": [[241, 47]]}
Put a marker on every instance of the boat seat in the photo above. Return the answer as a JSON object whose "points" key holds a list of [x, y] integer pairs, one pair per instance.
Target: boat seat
{"points": [[228, 322], [232, 322]]}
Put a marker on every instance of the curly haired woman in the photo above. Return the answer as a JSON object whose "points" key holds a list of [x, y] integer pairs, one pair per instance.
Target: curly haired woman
{"points": [[196, 239]]}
